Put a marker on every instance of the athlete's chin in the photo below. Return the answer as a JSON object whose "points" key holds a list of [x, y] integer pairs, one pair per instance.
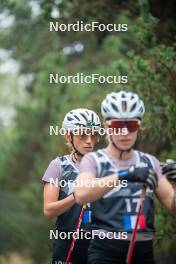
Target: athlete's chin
{"points": [[87, 150], [125, 146]]}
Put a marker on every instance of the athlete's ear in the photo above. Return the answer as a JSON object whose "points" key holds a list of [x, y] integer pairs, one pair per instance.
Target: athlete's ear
{"points": [[68, 137], [142, 127]]}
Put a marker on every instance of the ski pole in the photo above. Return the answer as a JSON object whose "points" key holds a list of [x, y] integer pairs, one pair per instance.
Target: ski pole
{"points": [[78, 224], [133, 239]]}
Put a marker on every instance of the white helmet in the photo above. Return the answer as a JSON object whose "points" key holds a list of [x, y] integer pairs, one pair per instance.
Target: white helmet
{"points": [[121, 105], [81, 118]]}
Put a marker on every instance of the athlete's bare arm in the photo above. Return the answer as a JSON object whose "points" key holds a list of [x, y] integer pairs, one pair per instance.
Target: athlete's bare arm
{"points": [[89, 188], [53, 207], [165, 194]]}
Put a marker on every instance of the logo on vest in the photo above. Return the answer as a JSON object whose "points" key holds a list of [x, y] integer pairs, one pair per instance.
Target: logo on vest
{"points": [[130, 220]]}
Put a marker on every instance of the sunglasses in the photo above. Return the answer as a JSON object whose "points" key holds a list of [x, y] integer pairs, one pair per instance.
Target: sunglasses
{"points": [[84, 136], [131, 125]]}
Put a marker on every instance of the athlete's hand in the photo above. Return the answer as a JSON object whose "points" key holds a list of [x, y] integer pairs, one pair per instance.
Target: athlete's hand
{"points": [[143, 175], [169, 169]]}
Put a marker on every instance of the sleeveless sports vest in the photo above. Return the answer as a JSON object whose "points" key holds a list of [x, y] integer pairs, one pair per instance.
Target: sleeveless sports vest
{"points": [[67, 221], [117, 210]]}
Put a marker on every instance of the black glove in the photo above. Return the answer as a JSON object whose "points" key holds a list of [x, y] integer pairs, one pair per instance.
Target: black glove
{"points": [[169, 169], [143, 175]]}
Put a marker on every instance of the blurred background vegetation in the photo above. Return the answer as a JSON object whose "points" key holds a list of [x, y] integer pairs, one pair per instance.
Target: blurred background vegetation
{"points": [[29, 104]]}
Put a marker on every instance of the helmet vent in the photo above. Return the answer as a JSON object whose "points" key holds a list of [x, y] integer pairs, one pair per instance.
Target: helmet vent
{"points": [[133, 107], [141, 109], [76, 117], [69, 118], [104, 109], [83, 116], [124, 106], [115, 107]]}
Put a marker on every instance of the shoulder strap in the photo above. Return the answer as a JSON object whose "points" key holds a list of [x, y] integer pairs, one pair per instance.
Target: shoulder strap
{"points": [[145, 158]]}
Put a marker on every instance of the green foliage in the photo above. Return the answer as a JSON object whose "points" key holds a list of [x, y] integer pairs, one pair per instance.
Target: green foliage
{"points": [[166, 236]]}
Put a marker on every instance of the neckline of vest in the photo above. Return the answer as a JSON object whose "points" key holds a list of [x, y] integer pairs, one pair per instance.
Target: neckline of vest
{"points": [[75, 165], [135, 156]]}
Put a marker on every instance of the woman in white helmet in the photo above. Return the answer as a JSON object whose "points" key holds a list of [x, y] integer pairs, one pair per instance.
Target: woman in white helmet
{"points": [[81, 127], [115, 199]]}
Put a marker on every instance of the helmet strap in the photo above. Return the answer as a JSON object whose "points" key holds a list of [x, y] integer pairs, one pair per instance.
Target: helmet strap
{"points": [[119, 149], [76, 152]]}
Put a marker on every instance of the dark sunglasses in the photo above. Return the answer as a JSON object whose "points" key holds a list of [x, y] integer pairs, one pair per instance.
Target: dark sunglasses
{"points": [[131, 125]]}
